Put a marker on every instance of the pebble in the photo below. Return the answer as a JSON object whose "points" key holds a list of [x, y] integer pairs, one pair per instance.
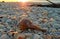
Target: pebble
{"points": [[47, 37], [5, 36], [36, 36], [45, 13], [20, 36], [51, 19], [45, 20]]}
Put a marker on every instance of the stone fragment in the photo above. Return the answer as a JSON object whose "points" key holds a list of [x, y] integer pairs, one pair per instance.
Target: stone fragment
{"points": [[47, 37], [51, 19], [36, 36]]}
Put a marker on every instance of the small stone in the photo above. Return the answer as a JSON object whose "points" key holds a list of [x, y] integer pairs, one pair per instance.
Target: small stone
{"points": [[51, 19], [59, 30], [47, 37], [20, 36], [4, 36], [36, 36], [45, 13], [45, 20], [53, 30], [23, 15], [9, 17], [14, 17], [28, 34], [40, 19]]}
